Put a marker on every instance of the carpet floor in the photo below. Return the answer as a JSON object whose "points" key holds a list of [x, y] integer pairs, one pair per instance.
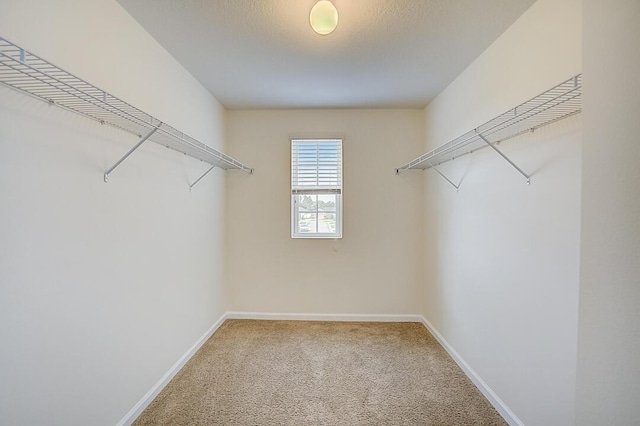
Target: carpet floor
{"points": [[320, 373]]}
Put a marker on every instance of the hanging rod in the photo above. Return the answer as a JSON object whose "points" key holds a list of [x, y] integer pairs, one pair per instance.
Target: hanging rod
{"points": [[557, 103], [32, 75]]}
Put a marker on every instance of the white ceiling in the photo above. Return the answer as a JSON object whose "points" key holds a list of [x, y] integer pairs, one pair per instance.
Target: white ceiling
{"points": [[384, 53]]}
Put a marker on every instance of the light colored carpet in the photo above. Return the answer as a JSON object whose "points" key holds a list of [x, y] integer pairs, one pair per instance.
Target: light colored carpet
{"points": [[320, 373]]}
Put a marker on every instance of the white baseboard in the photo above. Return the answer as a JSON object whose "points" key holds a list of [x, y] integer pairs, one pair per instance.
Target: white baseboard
{"points": [[137, 409], [324, 317], [497, 403]]}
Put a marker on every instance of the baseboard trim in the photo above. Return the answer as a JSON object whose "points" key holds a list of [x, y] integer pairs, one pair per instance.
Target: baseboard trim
{"points": [[493, 398], [137, 409], [323, 317]]}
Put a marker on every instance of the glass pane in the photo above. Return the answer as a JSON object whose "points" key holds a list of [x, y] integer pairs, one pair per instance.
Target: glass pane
{"points": [[307, 223], [327, 203], [327, 223], [307, 203], [317, 213]]}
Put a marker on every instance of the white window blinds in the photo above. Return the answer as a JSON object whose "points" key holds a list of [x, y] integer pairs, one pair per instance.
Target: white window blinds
{"points": [[316, 166]]}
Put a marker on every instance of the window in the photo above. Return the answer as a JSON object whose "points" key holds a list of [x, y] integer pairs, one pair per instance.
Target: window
{"points": [[316, 188]]}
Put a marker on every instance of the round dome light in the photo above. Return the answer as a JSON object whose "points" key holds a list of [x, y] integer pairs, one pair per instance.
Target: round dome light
{"points": [[323, 17]]}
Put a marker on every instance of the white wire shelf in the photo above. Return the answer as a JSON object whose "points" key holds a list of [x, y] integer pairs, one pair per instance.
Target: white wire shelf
{"points": [[37, 77], [555, 104]]}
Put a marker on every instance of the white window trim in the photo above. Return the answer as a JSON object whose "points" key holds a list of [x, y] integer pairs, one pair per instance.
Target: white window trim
{"points": [[339, 210]]}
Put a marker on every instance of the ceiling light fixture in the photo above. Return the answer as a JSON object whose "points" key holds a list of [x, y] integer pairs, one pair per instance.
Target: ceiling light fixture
{"points": [[324, 17]]}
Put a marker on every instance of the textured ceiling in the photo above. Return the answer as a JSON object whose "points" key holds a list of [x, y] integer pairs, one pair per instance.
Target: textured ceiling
{"points": [[384, 53]]}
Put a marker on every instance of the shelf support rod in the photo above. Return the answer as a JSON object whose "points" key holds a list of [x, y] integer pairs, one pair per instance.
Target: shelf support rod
{"points": [[131, 151], [201, 177], [457, 187], [514, 165]]}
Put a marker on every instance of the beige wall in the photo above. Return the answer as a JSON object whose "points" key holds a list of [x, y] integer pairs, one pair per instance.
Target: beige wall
{"points": [[103, 287], [375, 267], [609, 338], [502, 258]]}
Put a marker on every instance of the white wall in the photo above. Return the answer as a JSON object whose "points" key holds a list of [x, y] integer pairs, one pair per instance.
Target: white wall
{"points": [[102, 286], [502, 258], [609, 338], [375, 267]]}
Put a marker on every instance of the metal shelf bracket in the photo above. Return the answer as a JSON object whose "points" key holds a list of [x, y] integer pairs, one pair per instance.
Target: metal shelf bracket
{"points": [[514, 165], [457, 187], [201, 177], [431, 166], [131, 151]]}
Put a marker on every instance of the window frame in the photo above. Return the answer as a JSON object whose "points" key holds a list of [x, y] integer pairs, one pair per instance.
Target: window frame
{"points": [[295, 232]]}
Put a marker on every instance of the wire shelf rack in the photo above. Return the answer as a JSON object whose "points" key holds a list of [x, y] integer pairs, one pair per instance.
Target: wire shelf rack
{"points": [[557, 103], [32, 75]]}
